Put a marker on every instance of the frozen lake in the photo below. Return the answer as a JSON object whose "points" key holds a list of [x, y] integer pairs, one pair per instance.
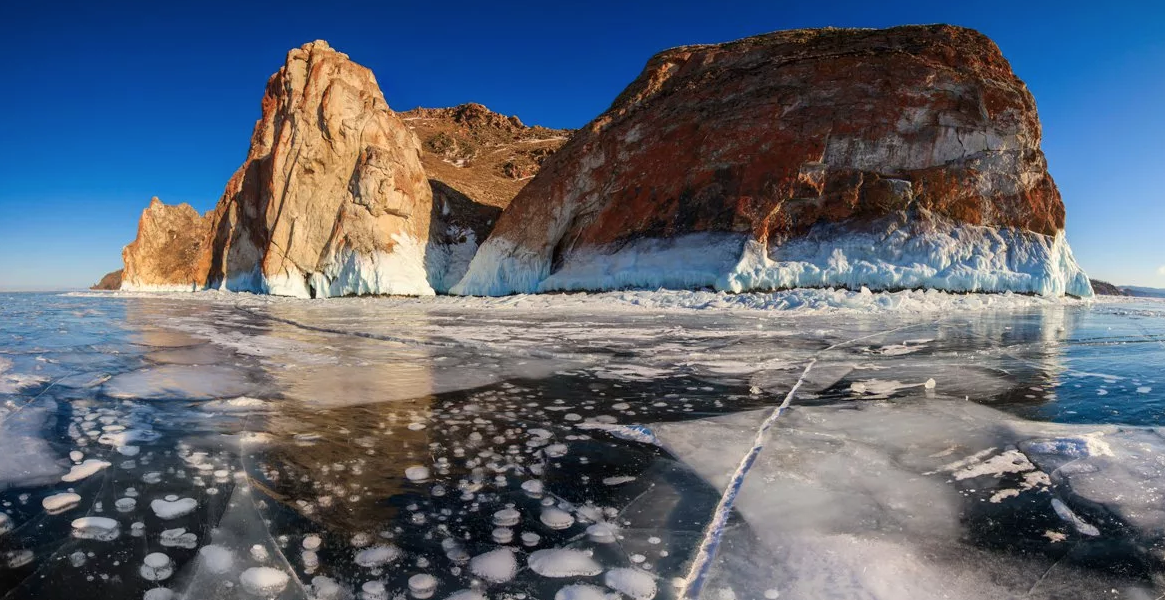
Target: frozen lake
{"points": [[574, 447]]}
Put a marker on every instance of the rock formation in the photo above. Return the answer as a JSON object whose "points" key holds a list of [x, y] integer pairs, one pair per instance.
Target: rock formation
{"points": [[899, 158], [477, 161], [332, 199], [1104, 288], [167, 254], [111, 281]]}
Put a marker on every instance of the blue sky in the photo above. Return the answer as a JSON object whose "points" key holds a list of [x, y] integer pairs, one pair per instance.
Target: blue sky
{"points": [[108, 104]]}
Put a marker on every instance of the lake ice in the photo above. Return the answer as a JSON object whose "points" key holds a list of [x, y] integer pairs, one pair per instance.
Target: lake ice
{"points": [[803, 444]]}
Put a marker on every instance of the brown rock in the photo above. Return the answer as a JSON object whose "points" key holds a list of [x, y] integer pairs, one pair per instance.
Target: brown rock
{"points": [[477, 161], [332, 198], [111, 281], [167, 253], [905, 157]]}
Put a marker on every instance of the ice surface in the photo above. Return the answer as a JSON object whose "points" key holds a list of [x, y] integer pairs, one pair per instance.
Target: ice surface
{"points": [[488, 442]]}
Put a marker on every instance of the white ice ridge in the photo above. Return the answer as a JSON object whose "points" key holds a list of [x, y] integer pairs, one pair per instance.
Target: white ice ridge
{"points": [[896, 252], [400, 272], [698, 573]]}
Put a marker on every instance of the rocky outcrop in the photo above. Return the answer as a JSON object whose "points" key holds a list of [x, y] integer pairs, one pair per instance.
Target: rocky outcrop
{"points": [[477, 161], [899, 158], [167, 254], [332, 198], [1104, 288], [111, 281]]}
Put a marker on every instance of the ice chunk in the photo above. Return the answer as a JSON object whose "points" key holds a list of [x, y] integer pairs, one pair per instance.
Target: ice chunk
{"points": [[563, 562]]}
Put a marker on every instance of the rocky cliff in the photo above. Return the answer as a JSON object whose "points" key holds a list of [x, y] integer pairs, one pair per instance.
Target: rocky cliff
{"points": [[898, 158], [477, 161], [338, 196], [167, 254], [111, 281], [332, 199]]}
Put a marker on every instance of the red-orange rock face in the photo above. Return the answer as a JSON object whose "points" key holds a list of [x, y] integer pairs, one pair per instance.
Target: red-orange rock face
{"points": [[773, 139], [167, 253]]}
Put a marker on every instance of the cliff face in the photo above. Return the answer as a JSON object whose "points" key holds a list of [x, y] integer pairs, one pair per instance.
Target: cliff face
{"points": [[477, 161], [167, 254], [898, 158], [338, 196], [332, 198]]}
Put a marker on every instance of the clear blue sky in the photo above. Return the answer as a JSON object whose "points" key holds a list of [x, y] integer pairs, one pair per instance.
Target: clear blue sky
{"points": [[105, 104]]}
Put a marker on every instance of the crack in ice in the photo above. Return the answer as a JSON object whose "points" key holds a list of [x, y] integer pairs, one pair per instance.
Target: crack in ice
{"points": [[702, 564]]}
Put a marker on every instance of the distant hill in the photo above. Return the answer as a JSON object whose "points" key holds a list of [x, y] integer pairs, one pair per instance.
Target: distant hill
{"points": [[1144, 292], [1105, 288]]}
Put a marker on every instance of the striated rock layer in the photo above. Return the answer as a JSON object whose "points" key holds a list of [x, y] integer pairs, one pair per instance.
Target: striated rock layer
{"points": [[332, 199], [167, 254], [898, 158]]}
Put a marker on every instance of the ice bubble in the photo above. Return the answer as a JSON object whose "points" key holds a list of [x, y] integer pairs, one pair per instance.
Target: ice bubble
{"points": [[556, 518], [555, 450], [507, 517], [178, 538], [152, 477], [602, 533], [495, 566], [172, 509], [530, 538], [581, 591], [76, 456], [466, 595], [96, 528], [259, 553], [503, 535], [533, 487], [312, 542], [14, 559], [619, 480], [310, 559], [125, 504], [156, 567], [217, 559], [563, 562], [1070, 517], [422, 585], [929, 384], [373, 590], [326, 588], [633, 583], [417, 473], [858, 388], [159, 593], [264, 581], [78, 558], [58, 503], [377, 556], [85, 469], [128, 450], [5, 523]]}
